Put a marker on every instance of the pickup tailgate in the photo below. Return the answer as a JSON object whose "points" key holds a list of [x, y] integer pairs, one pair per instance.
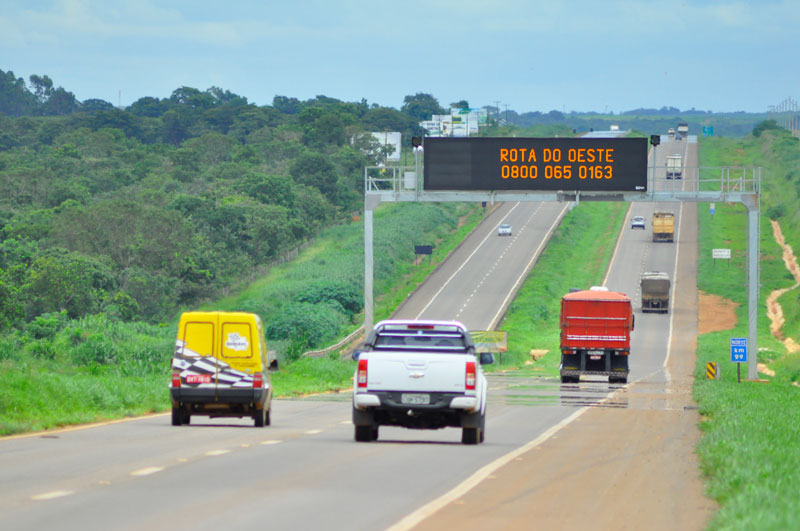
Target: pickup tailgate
{"points": [[410, 371]]}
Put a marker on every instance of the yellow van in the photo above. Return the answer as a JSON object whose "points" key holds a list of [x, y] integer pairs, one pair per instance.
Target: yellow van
{"points": [[220, 368]]}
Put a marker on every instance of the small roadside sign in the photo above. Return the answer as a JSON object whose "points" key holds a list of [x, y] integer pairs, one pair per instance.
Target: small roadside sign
{"points": [[708, 130], [739, 349], [721, 253], [712, 208]]}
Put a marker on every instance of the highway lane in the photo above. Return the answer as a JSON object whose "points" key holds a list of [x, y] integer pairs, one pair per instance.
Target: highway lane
{"points": [[473, 285], [305, 471]]}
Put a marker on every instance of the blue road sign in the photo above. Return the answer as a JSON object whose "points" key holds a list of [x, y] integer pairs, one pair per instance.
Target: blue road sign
{"points": [[739, 349]]}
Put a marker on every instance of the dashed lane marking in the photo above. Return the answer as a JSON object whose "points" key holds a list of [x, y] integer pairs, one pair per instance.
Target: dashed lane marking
{"points": [[52, 495], [214, 453], [147, 471]]}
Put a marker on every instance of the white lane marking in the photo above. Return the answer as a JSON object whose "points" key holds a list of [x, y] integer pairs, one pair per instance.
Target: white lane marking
{"points": [[346, 422], [147, 471], [271, 441], [616, 248], [672, 295], [313, 432], [487, 471], [481, 474], [52, 495], [214, 453], [477, 248], [493, 323]]}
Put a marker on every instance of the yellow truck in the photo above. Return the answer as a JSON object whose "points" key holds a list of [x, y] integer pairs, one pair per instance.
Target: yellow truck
{"points": [[663, 226], [220, 368]]}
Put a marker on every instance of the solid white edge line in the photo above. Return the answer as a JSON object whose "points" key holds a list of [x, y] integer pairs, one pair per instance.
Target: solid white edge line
{"points": [[477, 248], [482, 473], [493, 323], [672, 295]]}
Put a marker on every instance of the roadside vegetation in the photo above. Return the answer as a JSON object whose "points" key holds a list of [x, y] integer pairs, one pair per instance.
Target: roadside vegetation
{"points": [[750, 449], [57, 371]]}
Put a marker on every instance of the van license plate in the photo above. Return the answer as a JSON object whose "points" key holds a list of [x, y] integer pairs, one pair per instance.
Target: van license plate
{"points": [[198, 378], [415, 398]]}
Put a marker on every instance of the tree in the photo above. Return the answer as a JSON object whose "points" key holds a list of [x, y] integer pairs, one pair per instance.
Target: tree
{"points": [[286, 105], [268, 189], [765, 126], [94, 105], [421, 106], [193, 98], [15, 98], [64, 280], [461, 104], [60, 103], [322, 127], [148, 106], [314, 169], [42, 88]]}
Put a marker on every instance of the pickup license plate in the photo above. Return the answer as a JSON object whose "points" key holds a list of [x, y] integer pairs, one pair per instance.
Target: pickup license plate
{"points": [[415, 398]]}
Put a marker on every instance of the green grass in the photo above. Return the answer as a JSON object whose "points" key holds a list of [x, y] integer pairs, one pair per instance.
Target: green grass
{"points": [[587, 236], [750, 449], [36, 397]]}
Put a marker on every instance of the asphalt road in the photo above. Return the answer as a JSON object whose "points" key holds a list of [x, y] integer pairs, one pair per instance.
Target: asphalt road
{"points": [[305, 471]]}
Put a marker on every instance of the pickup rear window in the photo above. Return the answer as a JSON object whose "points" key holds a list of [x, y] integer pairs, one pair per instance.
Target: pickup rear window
{"points": [[430, 340]]}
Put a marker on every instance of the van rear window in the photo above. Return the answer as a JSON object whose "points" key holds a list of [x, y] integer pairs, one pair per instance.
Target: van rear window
{"points": [[236, 341], [199, 338]]}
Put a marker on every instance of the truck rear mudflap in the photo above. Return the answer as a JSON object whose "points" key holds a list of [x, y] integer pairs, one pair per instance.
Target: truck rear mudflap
{"points": [[588, 363]]}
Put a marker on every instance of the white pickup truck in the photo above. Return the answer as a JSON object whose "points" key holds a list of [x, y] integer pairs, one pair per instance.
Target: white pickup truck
{"points": [[420, 375]]}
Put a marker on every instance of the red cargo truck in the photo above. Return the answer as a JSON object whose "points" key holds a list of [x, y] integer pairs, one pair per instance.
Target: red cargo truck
{"points": [[596, 326]]}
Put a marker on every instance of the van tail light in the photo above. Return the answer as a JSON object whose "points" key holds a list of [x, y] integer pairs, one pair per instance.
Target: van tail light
{"points": [[176, 378], [362, 374], [258, 380], [469, 381]]}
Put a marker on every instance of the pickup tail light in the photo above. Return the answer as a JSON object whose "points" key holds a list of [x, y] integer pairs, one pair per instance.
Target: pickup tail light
{"points": [[176, 378], [258, 380], [469, 381], [362, 374]]}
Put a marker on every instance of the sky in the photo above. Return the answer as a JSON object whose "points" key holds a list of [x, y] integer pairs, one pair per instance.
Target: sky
{"points": [[570, 55]]}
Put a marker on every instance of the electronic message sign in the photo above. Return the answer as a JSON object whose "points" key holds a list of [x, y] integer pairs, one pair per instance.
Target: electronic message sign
{"points": [[536, 164]]}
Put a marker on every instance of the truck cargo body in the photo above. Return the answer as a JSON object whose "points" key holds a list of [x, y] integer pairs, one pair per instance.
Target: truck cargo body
{"points": [[596, 331], [655, 292], [674, 167], [663, 226], [683, 130]]}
